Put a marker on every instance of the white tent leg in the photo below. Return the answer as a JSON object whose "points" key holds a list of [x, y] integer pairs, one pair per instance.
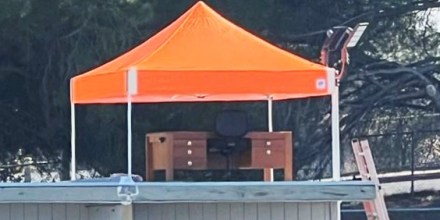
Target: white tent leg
{"points": [[269, 113], [336, 157], [129, 141], [72, 142], [270, 125], [336, 164], [131, 90]]}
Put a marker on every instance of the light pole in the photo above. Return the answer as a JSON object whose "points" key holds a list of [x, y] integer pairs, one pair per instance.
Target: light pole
{"points": [[334, 54]]}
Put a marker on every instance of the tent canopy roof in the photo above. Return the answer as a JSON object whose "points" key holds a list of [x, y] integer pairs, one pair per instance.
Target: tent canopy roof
{"points": [[203, 57]]}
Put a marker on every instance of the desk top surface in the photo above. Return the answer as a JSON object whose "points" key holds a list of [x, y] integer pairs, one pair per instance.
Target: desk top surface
{"points": [[206, 134]]}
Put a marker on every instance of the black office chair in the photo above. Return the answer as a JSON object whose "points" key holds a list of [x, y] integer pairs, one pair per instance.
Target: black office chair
{"points": [[230, 127]]}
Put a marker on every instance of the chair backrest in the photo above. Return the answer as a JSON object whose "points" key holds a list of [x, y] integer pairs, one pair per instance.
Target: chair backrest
{"points": [[231, 124]]}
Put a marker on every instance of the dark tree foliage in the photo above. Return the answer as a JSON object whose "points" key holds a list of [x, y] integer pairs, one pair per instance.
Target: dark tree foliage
{"points": [[394, 72]]}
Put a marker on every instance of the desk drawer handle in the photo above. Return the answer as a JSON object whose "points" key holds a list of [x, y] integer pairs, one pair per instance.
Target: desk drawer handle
{"points": [[268, 143], [268, 152], [189, 143], [189, 152], [190, 163]]}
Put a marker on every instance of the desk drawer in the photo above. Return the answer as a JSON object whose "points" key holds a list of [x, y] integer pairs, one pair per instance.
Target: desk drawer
{"points": [[268, 153], [190, 151], [190, 163], [272, 143], [180, 143], [190, 148]]}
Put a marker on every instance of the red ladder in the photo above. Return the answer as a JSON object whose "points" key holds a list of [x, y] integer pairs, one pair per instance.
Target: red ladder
{"points": [[374, 209]]}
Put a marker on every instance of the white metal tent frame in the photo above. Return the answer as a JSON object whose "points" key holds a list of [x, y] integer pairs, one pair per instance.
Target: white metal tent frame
{"points": [[132, 90]]}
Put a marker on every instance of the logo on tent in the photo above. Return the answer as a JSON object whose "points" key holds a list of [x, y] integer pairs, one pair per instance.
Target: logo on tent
{"points": [[320, 84]]}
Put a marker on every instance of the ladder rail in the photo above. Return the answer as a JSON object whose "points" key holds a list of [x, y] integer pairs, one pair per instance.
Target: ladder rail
{"points": [[375, 209], [374, 177], [368, 206]]}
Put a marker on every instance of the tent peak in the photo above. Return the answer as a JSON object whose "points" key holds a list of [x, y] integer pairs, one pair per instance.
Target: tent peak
{"points": [[200, 8], [200, 4]]}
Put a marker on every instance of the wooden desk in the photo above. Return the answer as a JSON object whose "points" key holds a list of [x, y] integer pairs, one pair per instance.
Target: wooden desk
{"points": [[189, 151]]}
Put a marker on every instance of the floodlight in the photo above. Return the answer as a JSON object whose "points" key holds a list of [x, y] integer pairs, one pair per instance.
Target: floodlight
{"points": [[334, 52], [356, 34]]}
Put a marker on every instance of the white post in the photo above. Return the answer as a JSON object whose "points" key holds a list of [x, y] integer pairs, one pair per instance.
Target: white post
{"points": [[72, 141], [129, 141], [131, 90], [269, 113], [270, 126], [336, 158]]}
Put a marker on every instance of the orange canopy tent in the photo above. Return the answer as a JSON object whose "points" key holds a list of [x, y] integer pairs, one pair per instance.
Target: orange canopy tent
{"points": [[203, 57], [200, 57]]}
